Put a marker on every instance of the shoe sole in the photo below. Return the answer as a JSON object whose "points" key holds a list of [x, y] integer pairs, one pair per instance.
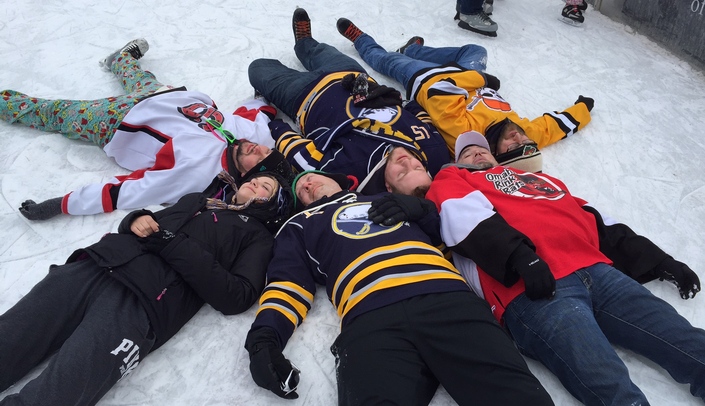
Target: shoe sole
{"points": [[462, 24]]}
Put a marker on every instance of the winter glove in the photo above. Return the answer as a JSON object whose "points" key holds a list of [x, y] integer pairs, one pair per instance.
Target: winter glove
{"points": [[41, 211], [268, 366], [491, 81], [156, 242], [394, 208], [589, 102], [369, 94], [537, 276], [679, 274]]}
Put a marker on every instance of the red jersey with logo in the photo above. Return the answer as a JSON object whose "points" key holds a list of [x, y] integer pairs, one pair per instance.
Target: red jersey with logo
{"points": [[537, 205]]}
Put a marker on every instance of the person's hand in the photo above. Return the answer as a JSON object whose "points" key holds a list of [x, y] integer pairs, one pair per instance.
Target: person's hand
{"points": [[537, 276], [588, 101], [144, 226], [491, 81], [268, 366], [41, 211], [394, 208], [679, 274]]}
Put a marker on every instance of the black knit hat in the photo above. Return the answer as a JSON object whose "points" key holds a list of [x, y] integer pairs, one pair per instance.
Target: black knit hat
{"points": [[274, 212], [493, 132], [344, 181], [274, 162]]}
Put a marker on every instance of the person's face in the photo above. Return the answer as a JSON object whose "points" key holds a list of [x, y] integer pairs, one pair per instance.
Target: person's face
{"points": [[478, 156], [404, 173], [314, 186], [512, 137], [248, 154], [261, 186]]}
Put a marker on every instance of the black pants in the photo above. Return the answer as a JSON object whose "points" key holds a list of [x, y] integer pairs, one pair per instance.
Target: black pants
{"points": [[93, 328], [397, 355]]}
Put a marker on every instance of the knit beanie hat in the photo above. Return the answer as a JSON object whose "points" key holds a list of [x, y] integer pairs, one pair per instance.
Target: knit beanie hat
{"points": [[346, 182], [274, 162], [493, 132]]}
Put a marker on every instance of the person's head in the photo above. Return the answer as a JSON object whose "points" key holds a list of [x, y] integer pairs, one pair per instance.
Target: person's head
{"points": [[505, 136], [247, 155], [256, 187], [404, 173], [247, 158], [511, 146], [310, 186], [472, 148], [265, 196], [401, 171]]}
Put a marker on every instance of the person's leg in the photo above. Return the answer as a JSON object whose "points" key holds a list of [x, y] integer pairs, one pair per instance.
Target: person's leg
{"points": [[563, 335], [468, 6], [279, 84], [136, 81], [89, 120], [469, 353], [322, 58], [633, 318], [470, 56], [111, 340], [393, 64], [377, 364], [37, 325]]}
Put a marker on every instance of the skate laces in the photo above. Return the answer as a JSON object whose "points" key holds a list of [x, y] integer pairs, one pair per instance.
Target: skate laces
{"points": [[302, 29]]}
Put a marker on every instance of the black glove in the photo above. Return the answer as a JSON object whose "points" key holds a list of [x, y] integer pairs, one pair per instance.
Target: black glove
{"points": [[679, 274], [156, 242], [268, 366], [491, 81], [589, 102], [41, 211], [393, 208], [536, 274], [369, 94]]}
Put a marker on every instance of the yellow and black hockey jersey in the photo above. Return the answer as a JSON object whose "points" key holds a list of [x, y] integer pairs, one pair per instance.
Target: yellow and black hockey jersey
{"points": [[458, 101]]}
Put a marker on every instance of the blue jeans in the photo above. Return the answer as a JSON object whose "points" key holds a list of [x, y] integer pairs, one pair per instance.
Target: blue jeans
{"points": [[284, 86], [402, 67], [468, 6], [594, 307]]}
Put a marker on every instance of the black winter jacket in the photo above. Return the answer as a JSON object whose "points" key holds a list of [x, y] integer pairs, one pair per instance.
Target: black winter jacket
{"points": [[219, 257]]}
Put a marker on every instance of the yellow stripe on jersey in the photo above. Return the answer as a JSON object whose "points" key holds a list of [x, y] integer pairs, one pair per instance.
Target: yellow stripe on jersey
{"points": [[294, 287], [291, 301], [387, 249], [391, 281], [315, 154], [293, 318], [410, 259]]}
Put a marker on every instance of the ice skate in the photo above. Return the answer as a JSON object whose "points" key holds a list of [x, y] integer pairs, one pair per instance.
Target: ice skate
{"points": [[572, 15], [480, 23], [137, 48], [413, 40], [347, 29], [301, 24]]}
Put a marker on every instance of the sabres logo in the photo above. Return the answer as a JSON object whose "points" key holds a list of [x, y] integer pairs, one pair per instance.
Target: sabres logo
{"points": [[351, 221]]}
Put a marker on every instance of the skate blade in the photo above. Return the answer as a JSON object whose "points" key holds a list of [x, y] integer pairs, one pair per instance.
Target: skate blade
{"points": [[462, 24], [570, 22]]}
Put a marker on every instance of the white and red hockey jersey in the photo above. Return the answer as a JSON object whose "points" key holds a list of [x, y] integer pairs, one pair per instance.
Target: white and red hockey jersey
{"points": [[171, 149]]}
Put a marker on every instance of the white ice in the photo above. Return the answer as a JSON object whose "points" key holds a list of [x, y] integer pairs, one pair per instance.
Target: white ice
{"points": [[640, 160]]}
